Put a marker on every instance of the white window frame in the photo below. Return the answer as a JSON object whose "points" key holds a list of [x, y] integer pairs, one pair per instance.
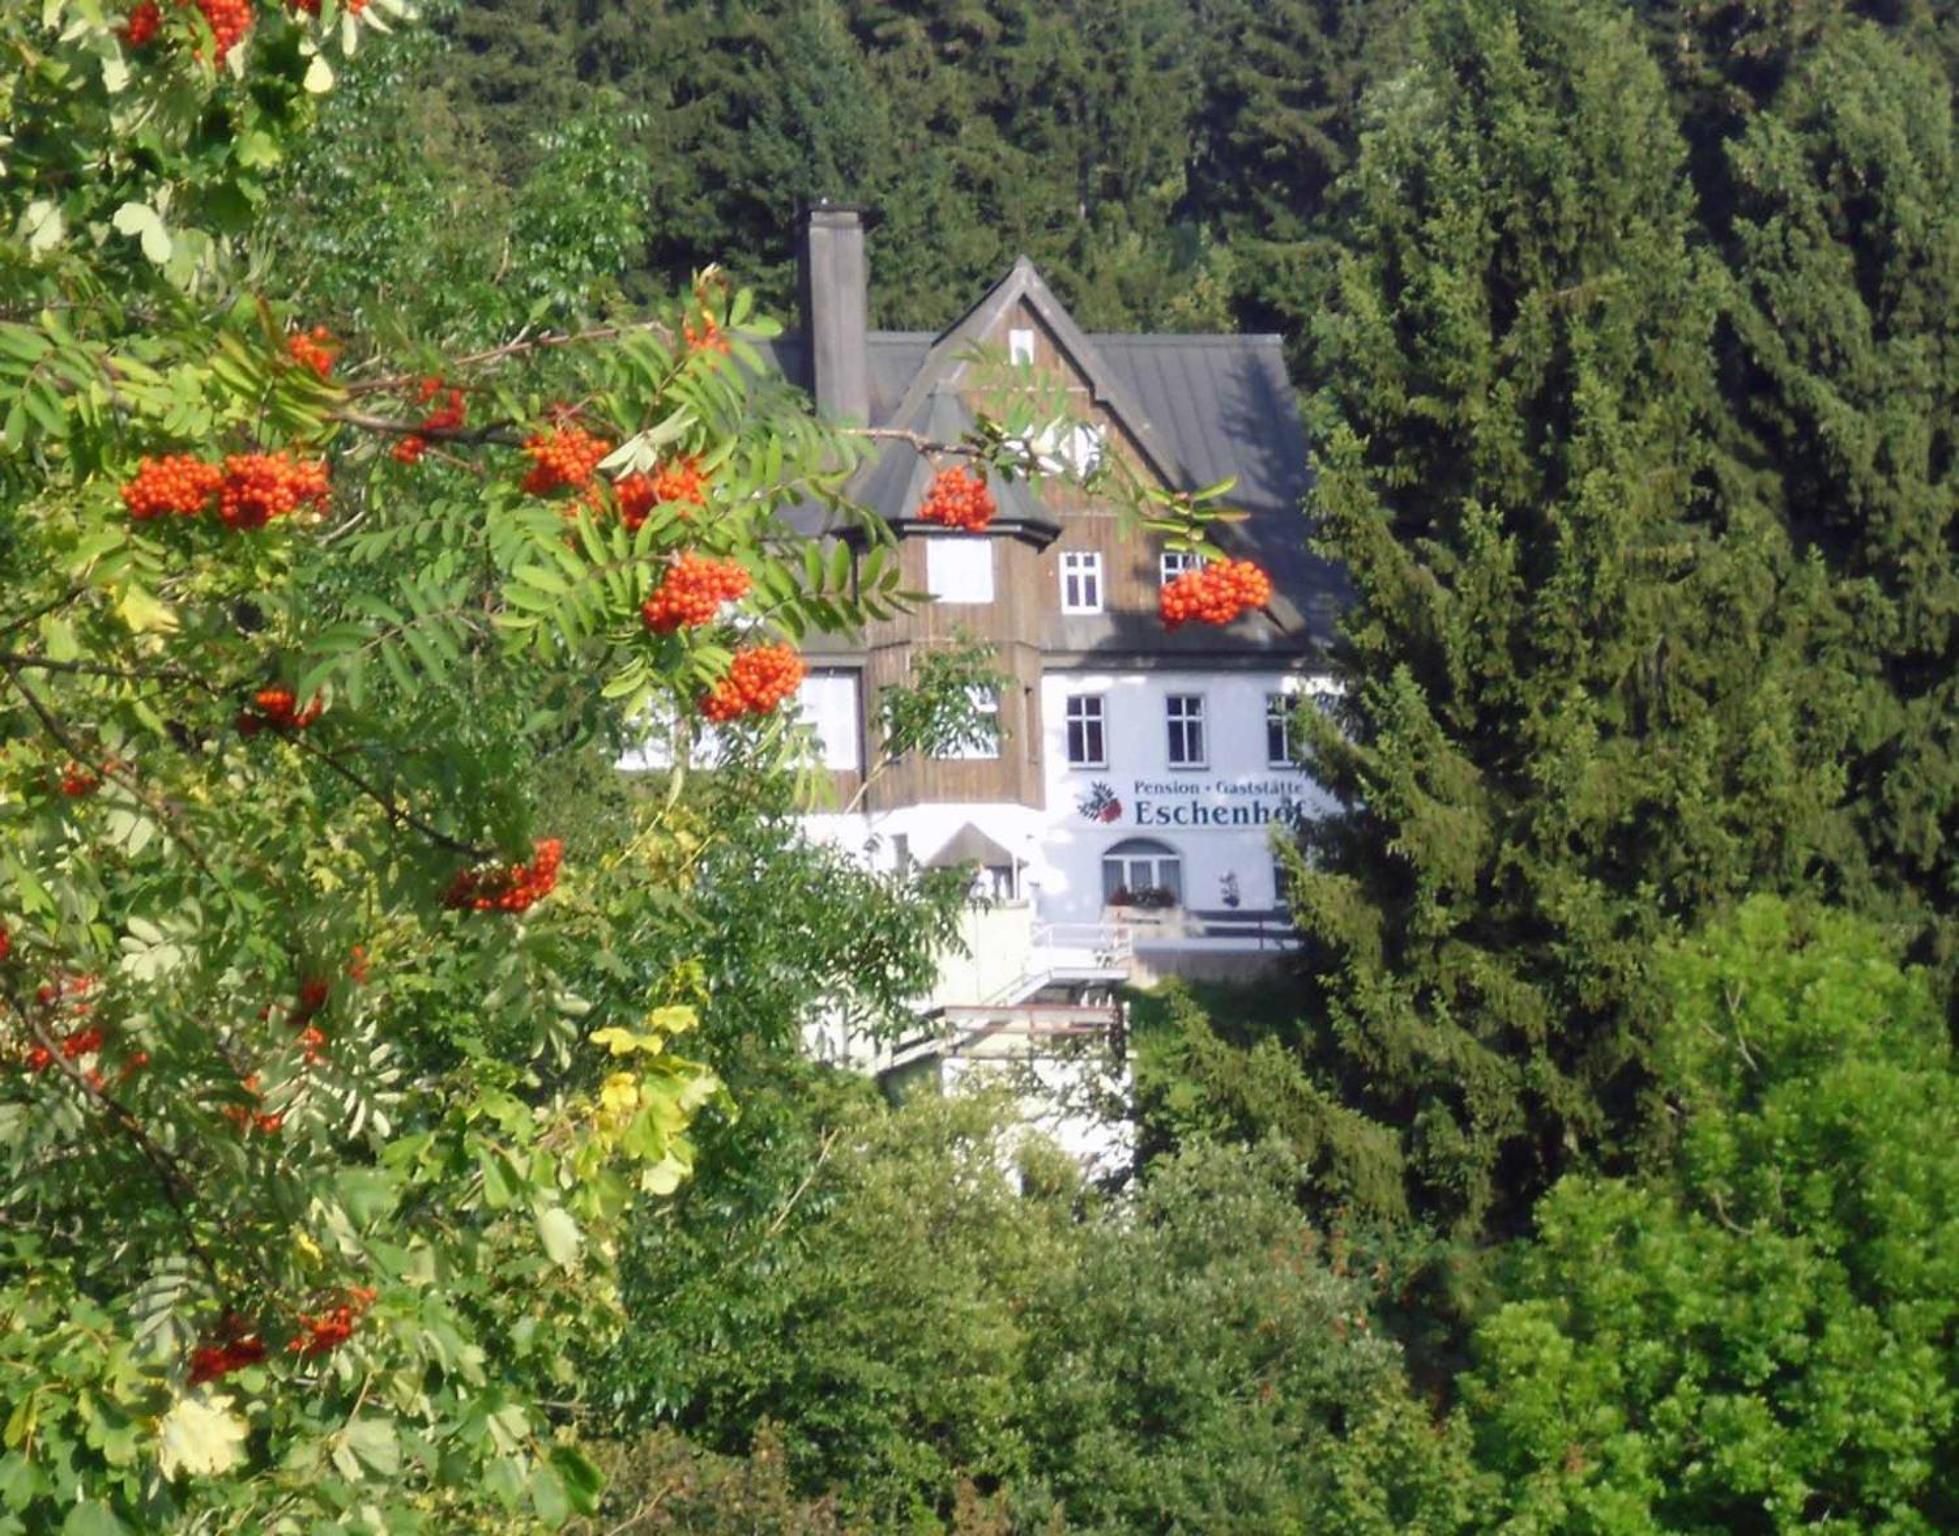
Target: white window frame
{"points": [[986, 701], [1020, 345], [1279, 709], [1090, 713], [1081, 581], [959, 570], [1176, 562], [831, 704], [1141, 868], [1180, 724]]}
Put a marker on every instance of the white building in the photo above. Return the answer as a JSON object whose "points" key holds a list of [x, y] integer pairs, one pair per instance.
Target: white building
{"points": [[1123, 823]]}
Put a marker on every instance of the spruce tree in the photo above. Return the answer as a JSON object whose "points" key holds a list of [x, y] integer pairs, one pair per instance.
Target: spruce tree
{"points": [[1846, 254], [1566, 724]]}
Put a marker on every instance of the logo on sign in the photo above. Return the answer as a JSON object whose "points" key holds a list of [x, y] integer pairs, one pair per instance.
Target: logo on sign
{"points": [[1100, 804]]}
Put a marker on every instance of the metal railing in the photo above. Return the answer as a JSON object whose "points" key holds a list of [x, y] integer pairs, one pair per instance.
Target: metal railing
{"points": [[1109, 944]]}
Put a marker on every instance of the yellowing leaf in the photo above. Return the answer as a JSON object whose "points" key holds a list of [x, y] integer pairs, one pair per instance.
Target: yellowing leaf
{"points": [[200, 1436], [621, 1042], [676, 1019], [143, 612], [619, 1094]]}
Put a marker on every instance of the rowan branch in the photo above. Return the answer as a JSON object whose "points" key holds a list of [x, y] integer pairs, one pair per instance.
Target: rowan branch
{"points": [[516, 349], [165, 1164], [397, 813], [166, 816]]}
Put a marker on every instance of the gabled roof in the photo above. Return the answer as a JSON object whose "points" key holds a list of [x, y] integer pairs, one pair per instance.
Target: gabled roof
{"points": [[1201, 408], [969, 845]]}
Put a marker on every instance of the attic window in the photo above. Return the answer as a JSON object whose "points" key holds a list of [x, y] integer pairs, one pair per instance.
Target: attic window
{"points": [[1068, 449], [1020, 346]]}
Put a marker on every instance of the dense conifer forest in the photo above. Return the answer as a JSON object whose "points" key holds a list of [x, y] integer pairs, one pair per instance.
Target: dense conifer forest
{"points": [[1596, 1167]]}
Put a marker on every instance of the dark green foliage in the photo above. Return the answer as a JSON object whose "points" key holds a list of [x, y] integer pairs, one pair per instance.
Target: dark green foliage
{"points": [[1758, 1335], [1564, 729], [1846, 240], [394, 218], [1209, 1364], [911, 1316]]}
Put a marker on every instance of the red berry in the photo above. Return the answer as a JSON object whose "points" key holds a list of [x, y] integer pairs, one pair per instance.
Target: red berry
{"points": [[315, 349], [563, 459], [1214, 594], [692, 592], [77, 781], [514, 888], [229, 20], [261, 486], [758, 681], [958, 499], [176, 482], [142, 24]]}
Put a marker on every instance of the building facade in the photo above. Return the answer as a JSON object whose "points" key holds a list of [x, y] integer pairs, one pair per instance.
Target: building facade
{"points": [[1139, 774]]}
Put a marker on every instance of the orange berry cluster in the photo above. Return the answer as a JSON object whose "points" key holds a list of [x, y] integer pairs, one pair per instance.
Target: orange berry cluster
{"points": [[445, 419], [250, 489], [77, 781], [142, 24], [678, 481], [177, 482], [85, 1040], [692, 593], [238, 1346], [1214, 594], [512, 889], [248, 1119], [277, 709], [564, 458], [261, 486], [707, 339], [315, 349], [958, 499], [229, 20], [322, 1332], [758, 680]]}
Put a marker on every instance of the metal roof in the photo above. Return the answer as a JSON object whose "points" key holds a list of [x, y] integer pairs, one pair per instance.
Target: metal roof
{"points": [[1203, 407]]}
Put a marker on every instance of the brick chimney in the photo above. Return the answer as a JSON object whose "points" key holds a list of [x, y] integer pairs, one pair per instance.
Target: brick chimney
{"points": [[835, 299]]}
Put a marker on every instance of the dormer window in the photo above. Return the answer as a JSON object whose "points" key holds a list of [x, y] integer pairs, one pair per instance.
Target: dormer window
{"points": [[1178, 562]]}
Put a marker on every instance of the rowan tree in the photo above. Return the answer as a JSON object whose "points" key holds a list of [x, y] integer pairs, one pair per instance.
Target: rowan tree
{"points": [[332, 1053]]}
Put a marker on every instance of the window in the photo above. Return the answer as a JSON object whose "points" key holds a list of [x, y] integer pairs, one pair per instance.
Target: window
{"points": [[959, 570], [1081, 581], [1020, 346], [1139, 872], [1281, 884], [983, 743], [1185, 713], [829, 704], [1175, 562], [1278, 731], [1086, 748]]}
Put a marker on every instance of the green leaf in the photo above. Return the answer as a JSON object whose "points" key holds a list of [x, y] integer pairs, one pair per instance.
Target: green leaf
{"points": [[560, 1235], [93, 1519], [583, 1480], [374, 1445], [548, 1496]]}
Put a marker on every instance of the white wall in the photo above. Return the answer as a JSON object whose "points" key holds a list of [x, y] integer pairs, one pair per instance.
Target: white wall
{"points": [[1220, 819]]}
